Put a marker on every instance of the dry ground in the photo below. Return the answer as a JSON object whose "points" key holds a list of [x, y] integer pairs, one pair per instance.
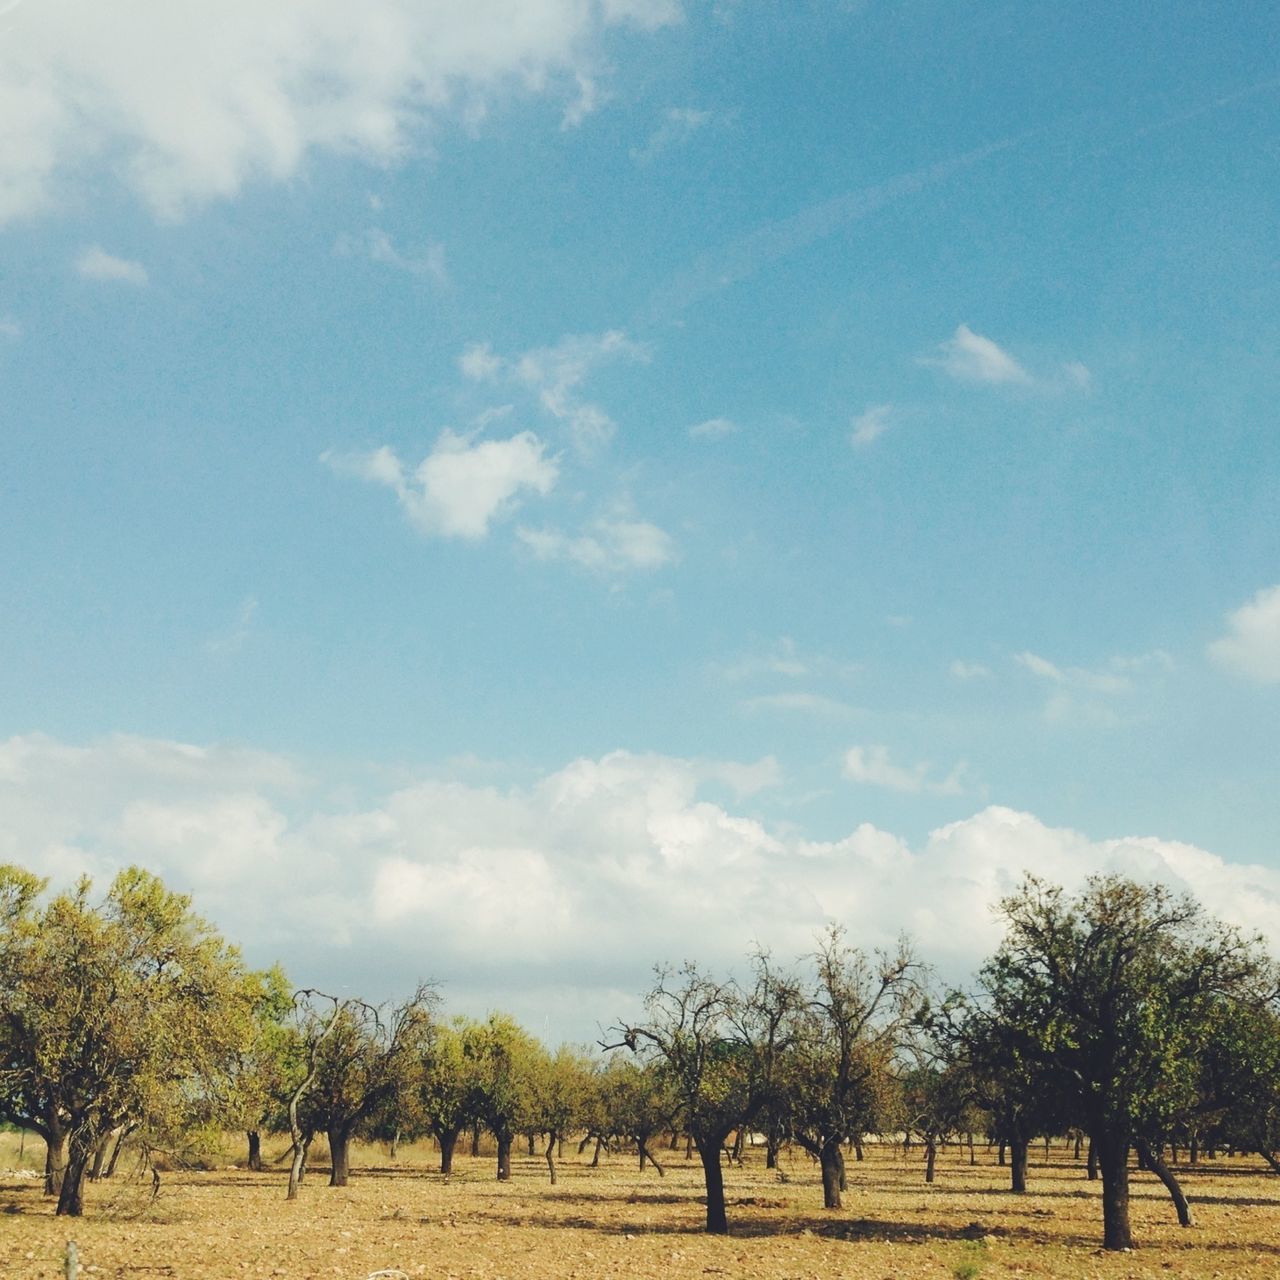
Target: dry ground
{"points": [[614, 1222]]}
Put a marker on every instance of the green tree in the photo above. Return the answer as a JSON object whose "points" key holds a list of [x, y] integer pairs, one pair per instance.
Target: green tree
{"points": [[502, 1060], [835, 1073], [1113, 994], [718, 1047], [113, 1014]]}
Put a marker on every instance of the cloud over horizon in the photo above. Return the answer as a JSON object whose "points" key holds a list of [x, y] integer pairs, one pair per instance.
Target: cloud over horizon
{"points": [[601, 867]]}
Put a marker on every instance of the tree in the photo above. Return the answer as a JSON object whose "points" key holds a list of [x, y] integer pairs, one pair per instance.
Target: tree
{"points": [[835, 1072], [148, 1010], [1113, 994], [502, 1058], [636, 1102], [718, 1047], [365, 1059], [560, 1084], [448, 1088]]}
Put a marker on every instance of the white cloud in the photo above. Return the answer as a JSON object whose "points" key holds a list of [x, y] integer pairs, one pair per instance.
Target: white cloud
{"points": [[972, 358], [555, 376], [186, 103], [1251, 647], [677, 125], [95, 263], [575, 883], [461, 487], [376, 245], [1087, 696], [963, 670], [610, 545], [786, 658], [9, 327], [712, 429], [871, 424], [871, 766]]}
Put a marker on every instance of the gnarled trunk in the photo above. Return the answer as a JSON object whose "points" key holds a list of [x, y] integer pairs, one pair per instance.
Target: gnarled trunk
{"points": [[71, 1193], [1171, 1184], [930, 1158], [1091, 1164], [255, 1150], [55, 1161], [551, 1157], [504, 1159]]}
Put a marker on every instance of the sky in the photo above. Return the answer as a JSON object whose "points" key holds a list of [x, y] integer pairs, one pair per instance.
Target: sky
{"points": [[517, 492]]}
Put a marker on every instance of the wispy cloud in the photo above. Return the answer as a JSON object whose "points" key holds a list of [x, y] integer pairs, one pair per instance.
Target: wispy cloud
{"points": [[9, 327], [95, 263], [555, 375], [871, 766], [871, 424], [233, 638], [608, 546], [677, 125], [713, 429], [1251, 646], [743, 257], [970, 357], [800, 703], [462, 486], [963, 670], [1083, 694], [377, 245]]}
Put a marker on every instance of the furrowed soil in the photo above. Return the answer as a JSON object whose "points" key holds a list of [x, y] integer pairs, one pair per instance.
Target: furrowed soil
{"points": [[404, 1218]]}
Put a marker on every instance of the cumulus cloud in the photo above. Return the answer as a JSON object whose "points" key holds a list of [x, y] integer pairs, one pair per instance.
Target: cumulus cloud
{"points": [[870, 424], [871, 766], [186, 103], [552, 898], [95, 263], [1251, 646], [378, 246], [462, 486], [610, 545]]}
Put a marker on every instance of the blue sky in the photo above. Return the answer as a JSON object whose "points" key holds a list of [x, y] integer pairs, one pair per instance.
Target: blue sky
{"points": [[768, 422]]}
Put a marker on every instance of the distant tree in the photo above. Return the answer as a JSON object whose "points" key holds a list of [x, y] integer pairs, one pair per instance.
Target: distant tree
{"points": [[560, 1086], [112, 1014], [638, 1103], [934, 1099], [502, 1059], [836, 1071], [718, 1046], [1114, 993], [449, 1086]]}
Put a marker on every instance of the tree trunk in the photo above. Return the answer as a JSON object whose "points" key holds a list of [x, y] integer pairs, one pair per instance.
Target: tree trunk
{"points": [[1000, 1161], [551, 1157], [973, 1155], [340, 1154], [504, 1159], [110, 1170], [930, 1157], [448, 1139], [71, 1194], [393, 1150], [829, 1160], [1018, 1165], [595, 1155], [844, 1180], [1193, 1149], [713, 1175], [1171, 1185], [531, 1151], [55, 1161], [646, 1153], [1113, 1160], [475, 1139], [255, 1150], [1091, 1164], [772, 1142], [1079, 1142], [857, 1147]]}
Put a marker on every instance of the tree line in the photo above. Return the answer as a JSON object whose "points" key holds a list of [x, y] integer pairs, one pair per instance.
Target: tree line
{"points": [[1122, 1015]]}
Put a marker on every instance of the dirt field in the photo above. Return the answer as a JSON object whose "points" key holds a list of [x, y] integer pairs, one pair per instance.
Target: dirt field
{"points": [[614, 1222]]}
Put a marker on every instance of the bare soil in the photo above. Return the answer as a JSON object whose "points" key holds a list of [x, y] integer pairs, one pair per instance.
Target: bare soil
{"points": [[614, 1221]]}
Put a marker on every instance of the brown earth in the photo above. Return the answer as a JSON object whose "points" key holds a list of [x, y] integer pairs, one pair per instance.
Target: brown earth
{"points": [[614, 1221]]}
